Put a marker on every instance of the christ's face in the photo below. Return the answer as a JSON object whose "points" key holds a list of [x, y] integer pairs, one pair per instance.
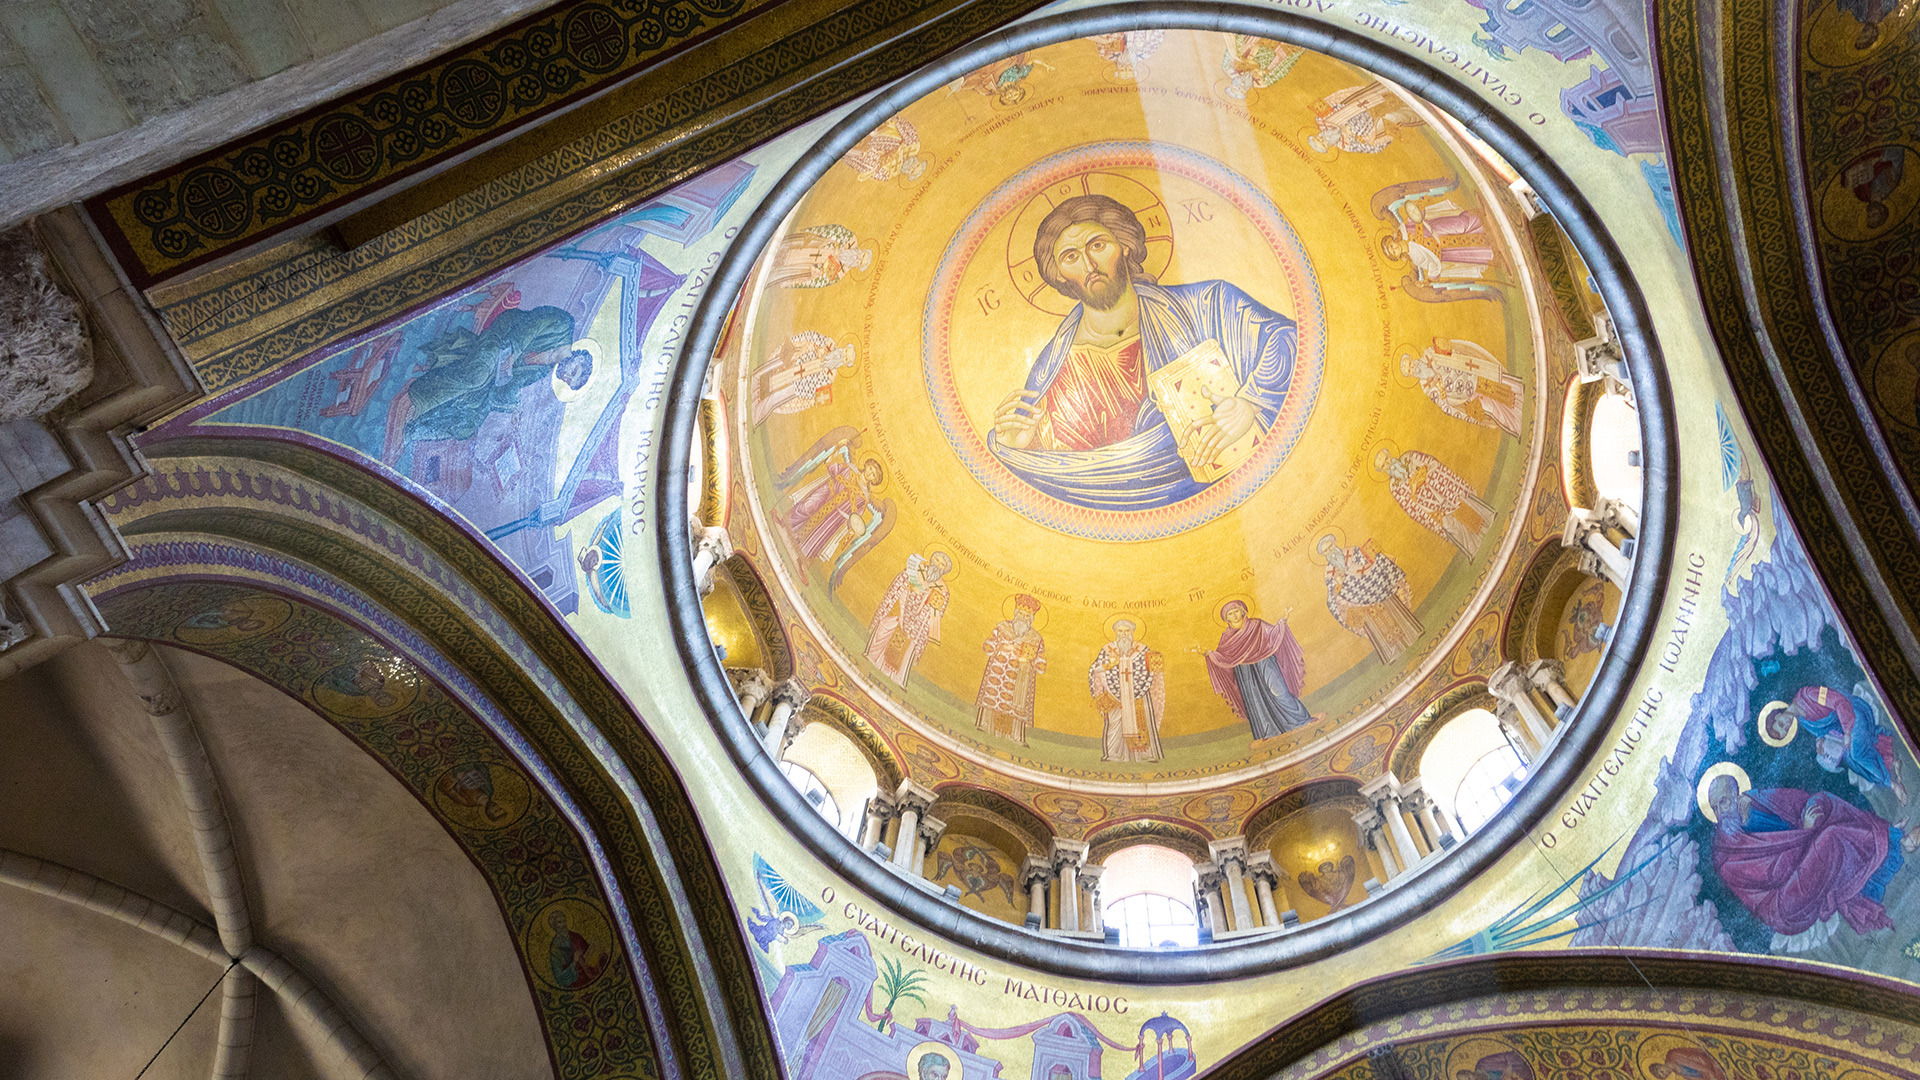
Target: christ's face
{"points": [[1093, 265]]}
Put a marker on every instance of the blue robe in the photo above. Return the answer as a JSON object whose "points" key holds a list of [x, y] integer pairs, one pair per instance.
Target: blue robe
{"points": [[1145, 470]]}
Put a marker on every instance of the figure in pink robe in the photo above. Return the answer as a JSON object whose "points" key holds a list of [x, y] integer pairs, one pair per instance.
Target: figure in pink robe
{"points": [[1801, 862], [1259, 669]]}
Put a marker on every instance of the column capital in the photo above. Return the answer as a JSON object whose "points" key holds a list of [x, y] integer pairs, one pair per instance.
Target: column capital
{"points": [[1229, 852], [1368, 820], [1035, 871], [1068, 853], [1261, 867], [1599, 356], [752, 689], [1381, 788], [711, 539], [792, 692], [1542, 672], [1209, 875], [1582, 522], [1509, 682], [1616, 514], [930, 830], [1414, 791], [1090, 876], [911, 796]]}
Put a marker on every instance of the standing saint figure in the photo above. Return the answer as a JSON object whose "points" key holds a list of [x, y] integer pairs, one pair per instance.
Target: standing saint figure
{"points": [[834, 517], [1016, 655], [816, 257], [1448, 245], [1259, 669], [1468, 383], [908, 619], [1802, 863], [799, 375], [1436, 497], [1368, 593], [1129, 686], [890, 150], [468, 376], [1089, 427], [1360, 119]]}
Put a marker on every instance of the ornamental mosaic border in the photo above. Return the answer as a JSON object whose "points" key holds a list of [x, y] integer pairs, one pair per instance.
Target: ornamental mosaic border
{"points": [[219, 201], [317, 297], [1544, 986], [358, 502], [597, 1030], [1830, 519]]}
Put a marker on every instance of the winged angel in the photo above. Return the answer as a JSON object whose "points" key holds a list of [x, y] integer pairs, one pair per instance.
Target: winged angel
{"points": [[1330, 884], [787, 914], [828, 505]]}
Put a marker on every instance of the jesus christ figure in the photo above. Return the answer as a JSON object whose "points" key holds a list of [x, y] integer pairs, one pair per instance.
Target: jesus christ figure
{"points": [[1086, 428]]}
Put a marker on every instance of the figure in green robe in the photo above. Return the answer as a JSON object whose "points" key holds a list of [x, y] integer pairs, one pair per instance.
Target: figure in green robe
{"points": [[471, 376]]}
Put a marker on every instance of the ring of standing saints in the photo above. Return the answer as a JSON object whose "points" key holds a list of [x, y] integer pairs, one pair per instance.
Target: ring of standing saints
{"points": [[1167, 425]]}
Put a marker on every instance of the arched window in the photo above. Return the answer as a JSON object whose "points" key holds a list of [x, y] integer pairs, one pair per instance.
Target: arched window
{"points": [[1613, 449], [1470, 769], [1151, 889], [834, 764], [812, 790]]}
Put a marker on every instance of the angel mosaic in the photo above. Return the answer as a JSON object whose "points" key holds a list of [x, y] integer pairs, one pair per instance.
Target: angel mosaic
{"points": [[816, 257], [1436, 497], [1370, 596], [1468, 383], [1360, 119], [976, 869], [828, 511], [1003, 80], [1445, 243], [1329, 884], [784, 914], [799, 375], [888, 151], [1129, 52], [1254, 63]]}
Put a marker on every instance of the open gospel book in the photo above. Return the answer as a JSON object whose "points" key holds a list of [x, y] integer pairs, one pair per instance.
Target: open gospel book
{"points": [[1186, 391]]}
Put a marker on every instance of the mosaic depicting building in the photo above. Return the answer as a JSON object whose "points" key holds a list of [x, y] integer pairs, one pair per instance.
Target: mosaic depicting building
{"points": [[959, 540]]}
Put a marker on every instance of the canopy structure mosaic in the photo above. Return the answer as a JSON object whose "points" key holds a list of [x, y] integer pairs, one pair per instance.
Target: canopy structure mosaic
{"points": [[1150, 413]]}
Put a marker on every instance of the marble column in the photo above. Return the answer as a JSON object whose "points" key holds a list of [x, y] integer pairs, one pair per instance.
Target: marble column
{"points": [[711, 547], [1372, 824], [1550, 677], [1230, 855], [1587, 531], [913, 800], [1439, 834], [880, 811], [926, 838], [1509, 684], [1034, 874], [1384, 793], [1617, 514], [1266, 878], [755, 687], [1515, 730], [1090, 892], [788, 699], [1068, 857], [1207, 879]]}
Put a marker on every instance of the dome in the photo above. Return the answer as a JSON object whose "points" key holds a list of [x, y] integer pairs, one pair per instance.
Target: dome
{"points": [[1132, 454]]}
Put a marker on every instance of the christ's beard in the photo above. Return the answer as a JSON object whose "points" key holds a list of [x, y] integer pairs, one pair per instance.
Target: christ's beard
{"points": [[1105, 293]]}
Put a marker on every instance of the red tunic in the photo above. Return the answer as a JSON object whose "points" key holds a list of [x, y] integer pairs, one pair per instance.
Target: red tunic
{"points": [[1096, 396]]}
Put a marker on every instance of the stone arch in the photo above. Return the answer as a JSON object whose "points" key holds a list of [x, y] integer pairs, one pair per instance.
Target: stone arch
{"points": [[1120, 835], [772, 636], [355, 549], [1404, 761], [1020, 825], [826, 707]]}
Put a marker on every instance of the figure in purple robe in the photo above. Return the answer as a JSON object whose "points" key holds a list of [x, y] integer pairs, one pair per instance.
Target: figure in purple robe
{"points": [[1802, 862], [1259, 669]]}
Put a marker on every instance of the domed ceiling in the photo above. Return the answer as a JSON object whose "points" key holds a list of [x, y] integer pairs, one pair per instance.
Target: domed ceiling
{"points": [[1152, 408]]}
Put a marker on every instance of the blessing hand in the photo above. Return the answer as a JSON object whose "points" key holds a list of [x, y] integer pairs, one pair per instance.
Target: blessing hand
{"points": [[1017, 421]]}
